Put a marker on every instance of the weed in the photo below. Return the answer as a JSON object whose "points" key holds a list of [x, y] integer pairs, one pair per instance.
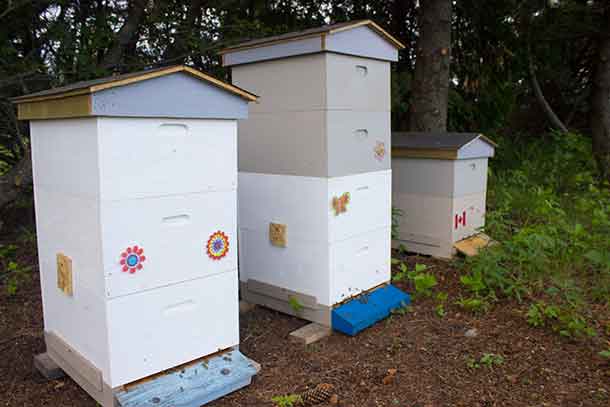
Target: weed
{"points": [[14, 273], [423, 282], [563, 319], [605, 354], [289, 400], [295, 304], [491, 359], [473, 304], [488, 360], [440, 310]]}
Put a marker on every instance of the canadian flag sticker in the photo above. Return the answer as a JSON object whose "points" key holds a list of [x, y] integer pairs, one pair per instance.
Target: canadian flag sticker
{"points": [[460, 220]]}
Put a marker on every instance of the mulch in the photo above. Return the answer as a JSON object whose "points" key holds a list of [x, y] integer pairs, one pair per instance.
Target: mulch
{"points": [[429, 353]]}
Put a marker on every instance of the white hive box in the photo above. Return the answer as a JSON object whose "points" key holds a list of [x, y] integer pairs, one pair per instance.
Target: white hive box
{"points": [[133, 176], [314, 158], [440, 184]]}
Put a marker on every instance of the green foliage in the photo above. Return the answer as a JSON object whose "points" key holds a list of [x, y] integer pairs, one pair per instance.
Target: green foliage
{"points": [[290, 400], [14, 273], [552, 222], [396, 215], [605, 354], [488, 360], [441, 297], [295, 304], [473, 304], [423, 282]]}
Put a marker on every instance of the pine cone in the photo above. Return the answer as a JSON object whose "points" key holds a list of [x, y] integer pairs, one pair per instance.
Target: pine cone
{"points": [[320, 394]]}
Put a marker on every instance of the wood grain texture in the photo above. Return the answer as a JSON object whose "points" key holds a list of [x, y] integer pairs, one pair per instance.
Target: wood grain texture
{"points": [[191, 385], [64, 274], [62, 108], [425, 153]]}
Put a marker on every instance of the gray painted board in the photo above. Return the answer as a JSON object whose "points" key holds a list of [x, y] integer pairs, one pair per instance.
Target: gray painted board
{"points": [[357, 142], [290, 143], [177, 95], [274, 51], [356, 83], [362, 41], [280, 83]]}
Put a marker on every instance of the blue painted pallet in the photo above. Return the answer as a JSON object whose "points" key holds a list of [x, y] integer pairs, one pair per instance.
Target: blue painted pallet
{"points": [[365, 310], [193, 385]]}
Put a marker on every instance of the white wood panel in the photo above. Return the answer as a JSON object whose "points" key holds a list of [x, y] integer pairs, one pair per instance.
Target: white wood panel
{"points": [[301, 266], [470, 177], [69, 225], [298, 202], [152, 157], [173, 231], [369, 207], [356, 83], [280, 83], [424, 215], [158, 329], [359, 264], [65, 155], [353, 139], [473, 206]]}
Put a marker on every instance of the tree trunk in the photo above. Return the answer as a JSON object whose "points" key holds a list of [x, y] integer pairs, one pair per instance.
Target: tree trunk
{"points": [[600, 101], [430, 91], [125, 36]]}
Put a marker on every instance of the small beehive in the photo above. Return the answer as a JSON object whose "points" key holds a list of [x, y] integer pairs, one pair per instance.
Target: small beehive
{"points": [[135, 182], [314, 166], [440, 184]]}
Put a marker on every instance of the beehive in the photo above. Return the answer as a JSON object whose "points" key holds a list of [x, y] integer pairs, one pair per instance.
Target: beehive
{"points": [[135, 182], [314, 158], [440, 185]]}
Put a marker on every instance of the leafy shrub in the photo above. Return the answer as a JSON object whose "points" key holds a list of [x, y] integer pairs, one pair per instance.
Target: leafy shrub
{"points": [[552, 221]]}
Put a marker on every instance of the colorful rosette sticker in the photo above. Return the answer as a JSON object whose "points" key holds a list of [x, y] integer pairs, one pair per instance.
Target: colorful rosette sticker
{"points": [[132, 259], [218, 245]]}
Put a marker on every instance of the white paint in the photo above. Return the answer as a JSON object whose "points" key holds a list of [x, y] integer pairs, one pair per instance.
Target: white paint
{"points": [[329, 257], [103, 184], [142, 158], [175, 251], [157, 329]]}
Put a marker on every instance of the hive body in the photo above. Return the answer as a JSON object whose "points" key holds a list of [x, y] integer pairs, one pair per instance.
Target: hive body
{"points": [[131, 203], [315, 156]]}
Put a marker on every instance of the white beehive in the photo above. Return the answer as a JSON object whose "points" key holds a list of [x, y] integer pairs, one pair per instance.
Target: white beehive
{"points": [[133, 176], [440, 185], [313, 164]]}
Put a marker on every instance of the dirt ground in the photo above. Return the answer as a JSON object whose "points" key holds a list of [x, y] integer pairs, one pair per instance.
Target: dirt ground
{"points": [[430, 354]]}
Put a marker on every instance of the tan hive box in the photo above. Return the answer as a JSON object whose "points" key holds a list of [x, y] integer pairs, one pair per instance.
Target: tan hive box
{"points": [[440, 184]]}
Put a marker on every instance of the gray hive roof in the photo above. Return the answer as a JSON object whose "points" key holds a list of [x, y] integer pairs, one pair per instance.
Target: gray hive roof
{"points": [[435, 141], [325, 29], [91, 86]]}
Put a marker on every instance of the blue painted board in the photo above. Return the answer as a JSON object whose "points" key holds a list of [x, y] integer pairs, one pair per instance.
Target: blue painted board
{"points": [[192, 386], [360, 313]]}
